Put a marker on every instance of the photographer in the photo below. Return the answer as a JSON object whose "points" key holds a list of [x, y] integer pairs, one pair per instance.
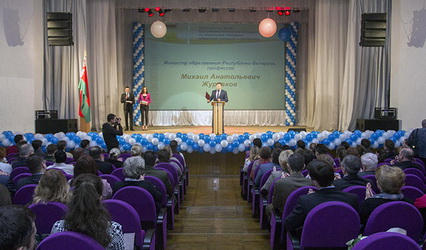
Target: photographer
{"points": [[110, 130]]}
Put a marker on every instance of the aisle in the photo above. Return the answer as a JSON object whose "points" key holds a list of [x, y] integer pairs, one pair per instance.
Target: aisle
{"points": [[214, 216]]}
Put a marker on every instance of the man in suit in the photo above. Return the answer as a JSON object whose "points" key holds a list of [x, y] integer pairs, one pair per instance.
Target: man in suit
{"points": [[351, 166], [103, 166], [405, 159], [25, 150], [150, 158], [110, 130], [219, 94], [37, 167], [322, 175], [128, 99]]}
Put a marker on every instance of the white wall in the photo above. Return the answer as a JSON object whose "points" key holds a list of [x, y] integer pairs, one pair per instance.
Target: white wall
{"points": [[21, 63], [408, 75]]}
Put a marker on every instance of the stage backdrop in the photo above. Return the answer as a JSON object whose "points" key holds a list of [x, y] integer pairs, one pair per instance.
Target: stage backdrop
{"points": [[188, 62]]}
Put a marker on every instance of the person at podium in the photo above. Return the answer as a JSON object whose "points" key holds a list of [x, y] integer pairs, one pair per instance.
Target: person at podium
{"points": [[219, 94]]}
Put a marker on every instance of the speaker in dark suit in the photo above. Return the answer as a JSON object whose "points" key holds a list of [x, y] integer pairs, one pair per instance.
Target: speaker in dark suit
{"points": [[128, 99], [219, 94]]}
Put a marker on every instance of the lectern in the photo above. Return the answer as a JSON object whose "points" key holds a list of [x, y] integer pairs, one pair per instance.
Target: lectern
{"points": [[217, 123]]}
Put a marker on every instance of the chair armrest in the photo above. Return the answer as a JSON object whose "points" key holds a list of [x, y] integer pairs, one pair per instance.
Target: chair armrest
{"points": [[295, 241], [149, 239], [160, 216]]}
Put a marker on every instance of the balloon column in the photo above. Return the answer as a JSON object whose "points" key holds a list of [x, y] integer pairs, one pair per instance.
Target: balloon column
{"points": [[211, 143]]}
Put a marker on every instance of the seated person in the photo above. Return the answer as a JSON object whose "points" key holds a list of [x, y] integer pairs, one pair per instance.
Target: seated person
{"points": [[351, 165], [86, 165], [150, 158], [282, 159], [14, 148], [113, 158], [85, 145], [37, 167], [284, 186], [320, 149], [254, 155], [263, 168], [405, 158], [173, 160], [134, 170], [369, 164], [50, 152], [322, 174], [62, 145], [390, 180], [60, 157], [18, 228], [136, 150], [265, 157], [103, 166], [25, 150], [37, 148], [4, 166], [53, 186], [163, 156], [389, 151], [87, 215], [174, 147], [77, 153], [366, 143]]}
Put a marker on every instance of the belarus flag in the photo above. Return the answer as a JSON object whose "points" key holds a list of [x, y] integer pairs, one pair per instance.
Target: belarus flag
{"points": [[83, 88]]}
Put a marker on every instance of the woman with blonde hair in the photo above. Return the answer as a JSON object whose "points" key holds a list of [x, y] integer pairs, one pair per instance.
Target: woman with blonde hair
{"points": [[53, 186], [283, 158], [254, 155]]}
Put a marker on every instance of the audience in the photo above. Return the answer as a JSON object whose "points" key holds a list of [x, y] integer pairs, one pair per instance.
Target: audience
{"points": [[25, 150], [14, 148], [77, 153], [164, 157], [150, 159], [301, 144], [284, 186], [37, 148], [17, 228], [134, 171], [254, 155], [87, 215], [366, 143], [174, 147], [282, 159], [390, 180], [103, 166], [136, 150], [361, 150], [320, 149], [113, 158], [353, 151], [351, 165], [50, 152], [389, 153], [322, 174], [37, 167], [53, 186], [369, 164], [86, 165], [60, 158], [4, 166], [265, 167], [62, 145], [265, 157], [257, 142], [5, 198], [85, 145], [405, 158]]}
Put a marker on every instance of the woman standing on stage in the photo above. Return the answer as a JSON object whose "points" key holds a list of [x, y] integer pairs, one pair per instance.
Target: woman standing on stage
{"points": [[144, 100]]}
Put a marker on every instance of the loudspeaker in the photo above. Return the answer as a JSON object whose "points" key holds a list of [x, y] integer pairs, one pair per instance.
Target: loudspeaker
{"points": [[373, 30], [297, 130], [59, 29], [376, 124], [46, 126]]}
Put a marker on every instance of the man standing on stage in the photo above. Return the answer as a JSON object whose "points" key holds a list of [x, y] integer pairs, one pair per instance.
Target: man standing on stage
{"points": [[110, 130], [128, 99], [219, 94]]}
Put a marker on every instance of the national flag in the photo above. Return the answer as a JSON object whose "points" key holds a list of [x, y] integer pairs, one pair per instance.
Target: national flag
{"points": [[83, 88]]}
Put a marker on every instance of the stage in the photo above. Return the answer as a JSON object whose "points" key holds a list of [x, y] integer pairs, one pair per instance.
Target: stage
{"points": [[208, 129]]}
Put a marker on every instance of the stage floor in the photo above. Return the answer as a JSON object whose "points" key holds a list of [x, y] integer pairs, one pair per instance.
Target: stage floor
{"points": [[208, 130]]}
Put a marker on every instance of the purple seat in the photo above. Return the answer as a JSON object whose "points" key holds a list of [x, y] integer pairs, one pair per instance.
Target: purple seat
{"points": [[119, 174], [68, 176], [17, 171], [387, 240], [411, 192], [69, 160], [421, 164], [383, 163], [358, 190], [251, 184], [277, 220], [258, 206], [176, 189], [415, 172], [246, 176], [414, 181], [11, 155], [47, 214], [20, 176], [105, 155], [145, 206], [124, 214], [69, 241], [395, 214], [185, 167], [111, 179], [49, 163], [177, 184], [318, 227], [24, 195], [373, 180], [336, 162], [305, 172], [167, 202], [180, 158]]}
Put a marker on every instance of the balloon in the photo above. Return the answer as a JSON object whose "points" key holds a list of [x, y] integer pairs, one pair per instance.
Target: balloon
{"points": [[224, 144], [201, 143], [93, 143], [71, 144], [331, 146], [381, 140], [284, 34], [267, 27], [275, 137], [298, 137], [242, 148], [292, 142], [132, 141], [212, 143], [270, 142], [159, 29], [206, 147], [184, 146], [229, 148], [218, 148], [6, 143], [155, 141], [247, 143]]}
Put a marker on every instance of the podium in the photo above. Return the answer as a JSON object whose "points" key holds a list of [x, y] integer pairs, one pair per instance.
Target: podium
{"points": [[217, 121]]}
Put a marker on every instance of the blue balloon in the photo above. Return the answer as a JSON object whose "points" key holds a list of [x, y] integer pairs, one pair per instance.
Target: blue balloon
{"points": [[54, 140], [184, 137], [375, 136], [241, 138], [195, 147], [218, 139], [99, 140], [235, 143], [264, 137], [190, 142], [325, 142], [212, 143], [77, 140], [353, 137], [127, 146], [150, 146], [309, 138], [284, 34], [287, 137], [166, 141], [229, 148]]}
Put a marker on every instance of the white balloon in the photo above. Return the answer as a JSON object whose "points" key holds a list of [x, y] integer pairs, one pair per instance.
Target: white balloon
{"points": [[212, 151], [247, 143], [331, 146], [292, 142], [267, 27], [158, 29], [320, 137], [44, 140], [337, 142], [397, 144], [275, 137], [376, 145], [155, 141], [38, 136], [242, 148], [6, 143], [229, 138], [270, 142], [160, 145], [132, 141], [235, 151], [2, 136], [172, 136], [206, 147], [184, 146], [93, 143], [251, 137], [201, 143], [315, 140], [178, 140], [358, 141], [297, 137], [235, 137], [218, 147], [196, 138], [71, 144], [190, 150], [381, 140], [224, 144]]}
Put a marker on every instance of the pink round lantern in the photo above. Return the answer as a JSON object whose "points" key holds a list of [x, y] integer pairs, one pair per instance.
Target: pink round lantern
{"points": [[267, 27]]}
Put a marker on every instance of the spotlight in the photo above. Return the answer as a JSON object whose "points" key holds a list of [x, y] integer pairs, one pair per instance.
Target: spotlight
{"points": [[252, 10], [296, 10], [202, 10], [280, 12], [186, 10], [147, 9], [287, 13], [157, 9], [150, 13], [161, 12], [215, 9], [231, 9]]}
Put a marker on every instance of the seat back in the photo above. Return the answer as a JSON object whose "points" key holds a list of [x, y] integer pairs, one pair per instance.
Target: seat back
{"points": [[119, 174], [111, 179], [20, 176], [24, 195], [17, 171], [177, 162], [373, 181], [47, 214], [264, 178], [411, 192], [414, 181], [69, 241], [170, 168], [421, 164], [293, 198], [358, 190], [142, 201], [271, 190], [124, 214], [69, 160], [387, 240], [160, 185], [180, 158], [395, 214], [319, 227], [415, 171]]}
